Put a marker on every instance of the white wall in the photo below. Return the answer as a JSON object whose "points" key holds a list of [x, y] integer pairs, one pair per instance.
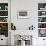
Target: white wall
{"points": [[23, 24]]}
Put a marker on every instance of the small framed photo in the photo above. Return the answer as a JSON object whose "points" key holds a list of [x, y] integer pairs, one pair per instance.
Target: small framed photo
{"points": [[22, 14]]}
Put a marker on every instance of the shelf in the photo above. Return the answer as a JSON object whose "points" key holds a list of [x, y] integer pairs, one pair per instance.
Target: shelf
{"points": [[41, 28], [3, 16], [3, 10], [41, 22], [3, 22], [41, 10], [42, 16]]}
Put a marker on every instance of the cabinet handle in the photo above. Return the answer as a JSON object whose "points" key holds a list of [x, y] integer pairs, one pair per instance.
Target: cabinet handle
{"points": [[43, 39], [1, 39]]}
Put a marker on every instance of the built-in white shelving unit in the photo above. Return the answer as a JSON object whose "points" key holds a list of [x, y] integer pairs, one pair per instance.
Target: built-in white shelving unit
{"points": [[4, 22], [42, 19], [4, 19]]}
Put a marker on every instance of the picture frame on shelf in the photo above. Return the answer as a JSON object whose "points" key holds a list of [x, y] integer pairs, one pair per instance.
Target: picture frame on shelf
{"points": [[23, 14]]}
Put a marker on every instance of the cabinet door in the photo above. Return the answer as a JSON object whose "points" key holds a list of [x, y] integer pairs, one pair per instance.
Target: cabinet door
{"points": [[40, 42]]}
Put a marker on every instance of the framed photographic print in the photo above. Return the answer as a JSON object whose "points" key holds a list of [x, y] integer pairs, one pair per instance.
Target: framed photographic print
{"points": [[22, 14]]}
